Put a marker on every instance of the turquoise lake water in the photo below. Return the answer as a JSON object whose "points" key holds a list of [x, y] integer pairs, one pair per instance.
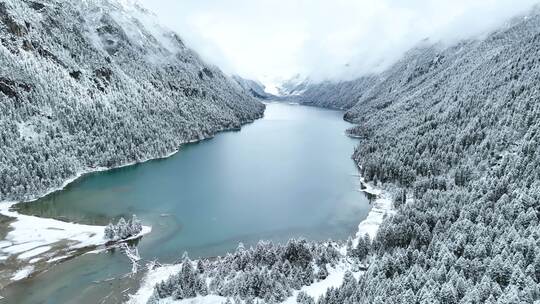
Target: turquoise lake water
{"points": [[287, 175]]}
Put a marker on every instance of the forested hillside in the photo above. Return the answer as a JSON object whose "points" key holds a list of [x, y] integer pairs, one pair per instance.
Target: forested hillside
{"points": [[97, 83], [252, 87], [336, 95], [458, 129]]}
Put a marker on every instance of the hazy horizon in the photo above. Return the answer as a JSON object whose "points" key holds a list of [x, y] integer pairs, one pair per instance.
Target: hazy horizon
{"points": [[275, 40]]}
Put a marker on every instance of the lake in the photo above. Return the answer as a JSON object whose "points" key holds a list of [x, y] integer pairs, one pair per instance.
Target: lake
{"points": [[287, 175]]}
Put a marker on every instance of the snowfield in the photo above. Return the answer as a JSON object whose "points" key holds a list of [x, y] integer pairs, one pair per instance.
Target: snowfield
{"points": [[33, 238]]}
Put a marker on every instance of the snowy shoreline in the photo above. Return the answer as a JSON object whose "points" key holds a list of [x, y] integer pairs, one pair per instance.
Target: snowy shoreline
{"points": [[26, 238], [382, 207], [34, 239], [90, 170], [154, 276]]}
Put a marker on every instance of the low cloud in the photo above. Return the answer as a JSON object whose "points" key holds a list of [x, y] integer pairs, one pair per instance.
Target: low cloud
{"points": [[330, 39]]}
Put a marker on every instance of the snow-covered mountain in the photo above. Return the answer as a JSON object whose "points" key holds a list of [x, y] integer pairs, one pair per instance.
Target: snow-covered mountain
{"points": [[252, 87], [454, 134], [98, 83], [457, 129], [336, 95], [293, 86], [328, 94]]}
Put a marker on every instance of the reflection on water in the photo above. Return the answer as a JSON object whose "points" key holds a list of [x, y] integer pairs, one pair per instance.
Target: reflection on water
{"points": [[287, 175]]}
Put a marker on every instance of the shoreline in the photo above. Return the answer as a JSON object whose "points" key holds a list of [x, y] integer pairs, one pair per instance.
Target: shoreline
{"points": [[89, 170], [382, 207], [32, 244]]}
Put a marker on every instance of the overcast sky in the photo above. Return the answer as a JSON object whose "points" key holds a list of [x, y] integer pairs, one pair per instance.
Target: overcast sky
{"points": [[263, 39]]}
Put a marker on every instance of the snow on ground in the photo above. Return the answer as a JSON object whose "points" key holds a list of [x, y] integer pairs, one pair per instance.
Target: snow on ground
{"points": [[33, 237], [317, 289], [34, 252], [22, 273], [34, 260], [334, 279], [31, 234], [153, 277], [382, 207], [58, 258], [27, 131]]}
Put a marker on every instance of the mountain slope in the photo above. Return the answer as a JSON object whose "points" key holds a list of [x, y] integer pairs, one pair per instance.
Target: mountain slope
{"points": [[252, 87], [336, 95], [97, 83], [454, 133], [458, 129]]}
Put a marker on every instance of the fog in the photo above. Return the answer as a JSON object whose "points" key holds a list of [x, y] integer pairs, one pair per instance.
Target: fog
{"points": [[324, 39]]}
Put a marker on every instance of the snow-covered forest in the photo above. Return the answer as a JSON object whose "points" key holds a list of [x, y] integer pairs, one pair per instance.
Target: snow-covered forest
{"points": [[98, 84], [123, 229], [268, 272], [456, 130], [341, 95], [252, 87], [452, 132]]}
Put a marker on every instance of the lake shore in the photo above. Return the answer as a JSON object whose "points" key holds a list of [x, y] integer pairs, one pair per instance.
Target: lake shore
{"points": [[96, 188], [382, 207], [31, 244]]}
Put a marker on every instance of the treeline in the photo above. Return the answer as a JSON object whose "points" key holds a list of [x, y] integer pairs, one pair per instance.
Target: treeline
{"points": [[88, 84]]}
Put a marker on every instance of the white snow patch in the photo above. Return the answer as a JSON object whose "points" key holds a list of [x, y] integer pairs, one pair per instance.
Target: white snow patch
{"points": [[317, 289], [21, 247], [59, 258], [26, 131], [5, 244], [153, 277], [34, 260], [22, 273], [32, 236], [34, 252], [382, 208], [29, 232]]}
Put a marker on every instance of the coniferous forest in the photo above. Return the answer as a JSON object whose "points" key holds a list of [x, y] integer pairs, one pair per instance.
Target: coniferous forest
{"points": [[96, 84], [455, 129], [452, 132]]}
